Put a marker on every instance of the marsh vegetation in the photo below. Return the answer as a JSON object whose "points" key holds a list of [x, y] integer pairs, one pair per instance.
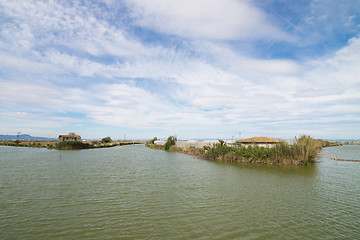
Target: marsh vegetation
{"points": [[68, 145], [302, 152]]}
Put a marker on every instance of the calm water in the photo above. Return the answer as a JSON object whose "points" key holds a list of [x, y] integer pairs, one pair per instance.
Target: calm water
{"points": [[133, 192]]}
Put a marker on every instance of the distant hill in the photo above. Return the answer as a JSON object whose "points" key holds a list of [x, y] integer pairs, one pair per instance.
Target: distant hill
{"points": [[24, 137]]}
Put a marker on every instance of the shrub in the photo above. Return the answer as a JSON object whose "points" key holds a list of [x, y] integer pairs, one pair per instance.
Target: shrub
{"points": [[302, 152], [170, 142], [71, 145], [106, 140], [152, 141]]}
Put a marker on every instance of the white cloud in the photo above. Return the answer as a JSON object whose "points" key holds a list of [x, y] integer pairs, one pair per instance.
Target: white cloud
{"points": [[25, 65], [337, 72], [226, 19], [273, 66], [37, 94], [201, 87], [196, 93], [36, 24]]}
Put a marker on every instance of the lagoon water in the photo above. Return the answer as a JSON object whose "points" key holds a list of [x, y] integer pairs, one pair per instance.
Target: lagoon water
{"points": [[132, 192]]}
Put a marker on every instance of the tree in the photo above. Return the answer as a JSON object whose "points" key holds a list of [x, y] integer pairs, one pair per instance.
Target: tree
{"points": [[106, 139], [152, 141], [170, 142], [72, 133], [221, 142]]}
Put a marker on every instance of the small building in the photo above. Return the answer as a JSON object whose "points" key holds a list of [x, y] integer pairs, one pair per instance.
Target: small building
{"points": [[69, 138], [259, 141]]}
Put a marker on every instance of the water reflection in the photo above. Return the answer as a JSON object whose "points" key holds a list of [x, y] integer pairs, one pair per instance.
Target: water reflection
{"points": [[305, 171], [133, 192]]}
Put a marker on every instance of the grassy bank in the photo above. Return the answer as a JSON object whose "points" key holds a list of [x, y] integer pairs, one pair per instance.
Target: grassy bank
{"points": [[303, 152], [71, 145], [66, 145], [29, 143]]}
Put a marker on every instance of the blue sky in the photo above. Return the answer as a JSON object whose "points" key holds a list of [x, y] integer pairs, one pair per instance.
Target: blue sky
{"points": [[193, 68]]}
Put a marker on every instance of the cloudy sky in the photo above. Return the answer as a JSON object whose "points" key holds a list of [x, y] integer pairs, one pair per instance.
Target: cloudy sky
{"points": [[193, 68]]}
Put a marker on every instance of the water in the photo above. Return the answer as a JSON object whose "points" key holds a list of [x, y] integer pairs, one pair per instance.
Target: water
{"points": [[132, 192]]}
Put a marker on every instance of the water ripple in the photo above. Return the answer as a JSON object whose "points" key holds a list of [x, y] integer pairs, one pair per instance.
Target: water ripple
{"points": [[136, 193]]}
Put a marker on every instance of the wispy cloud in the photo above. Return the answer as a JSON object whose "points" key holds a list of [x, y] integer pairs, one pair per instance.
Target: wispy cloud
{"points": [[227, 19], [69, 65]]}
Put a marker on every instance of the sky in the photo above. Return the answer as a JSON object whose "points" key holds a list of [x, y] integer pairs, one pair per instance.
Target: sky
{"points": [[197, 69]]}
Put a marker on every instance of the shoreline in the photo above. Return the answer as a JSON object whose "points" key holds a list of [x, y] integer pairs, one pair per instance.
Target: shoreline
{"points": [[71, 145], [303, 152], [198, 153]]}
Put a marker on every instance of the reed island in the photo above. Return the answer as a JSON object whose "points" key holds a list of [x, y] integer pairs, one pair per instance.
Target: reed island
{"points": [[303, 151]]}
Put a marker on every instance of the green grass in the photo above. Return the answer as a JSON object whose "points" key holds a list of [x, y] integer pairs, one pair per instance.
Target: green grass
{"points": [[154, 146], [66, 145], [168, 146]]}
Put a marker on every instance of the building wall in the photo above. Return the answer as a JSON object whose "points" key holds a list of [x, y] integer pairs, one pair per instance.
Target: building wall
{"points": [[196, 143], [259, 144], [192, 143], [210, 143], [69, 138]]}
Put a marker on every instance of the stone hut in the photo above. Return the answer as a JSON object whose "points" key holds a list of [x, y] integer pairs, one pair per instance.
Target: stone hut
{"points": [[259, 141], [69, 138]]}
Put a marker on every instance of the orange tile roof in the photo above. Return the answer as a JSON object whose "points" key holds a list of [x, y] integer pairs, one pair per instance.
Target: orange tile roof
{"points": [[259, 140]]}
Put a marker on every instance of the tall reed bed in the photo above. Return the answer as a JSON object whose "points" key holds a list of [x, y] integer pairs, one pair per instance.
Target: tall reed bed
{"points": [[303, 152]]}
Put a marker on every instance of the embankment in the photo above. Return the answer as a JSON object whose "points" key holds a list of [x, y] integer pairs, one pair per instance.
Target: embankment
{"points": [[66, 145], [303, 152]]}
